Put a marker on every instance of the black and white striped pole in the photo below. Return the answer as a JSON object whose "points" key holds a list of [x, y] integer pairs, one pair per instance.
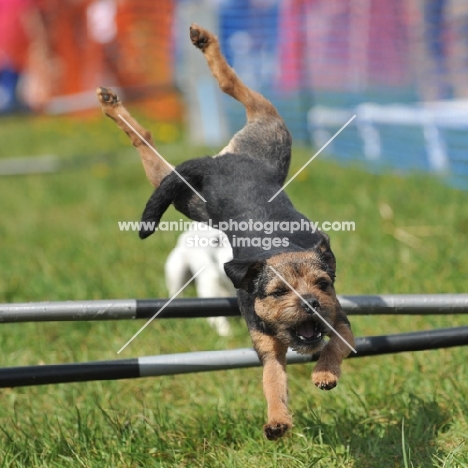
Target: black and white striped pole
{"points": [[124, 309], [183, 363]]}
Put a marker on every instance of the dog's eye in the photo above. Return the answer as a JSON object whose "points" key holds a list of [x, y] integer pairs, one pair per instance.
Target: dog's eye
{"points": [[280, 292], [323, 284]]}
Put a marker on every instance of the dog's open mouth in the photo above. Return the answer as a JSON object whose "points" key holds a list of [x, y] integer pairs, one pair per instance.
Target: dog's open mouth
{"points": [[309, 332]]}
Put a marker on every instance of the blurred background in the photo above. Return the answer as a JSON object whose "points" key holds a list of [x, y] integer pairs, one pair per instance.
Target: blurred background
{"points": [[400, 66], [68, 176]]}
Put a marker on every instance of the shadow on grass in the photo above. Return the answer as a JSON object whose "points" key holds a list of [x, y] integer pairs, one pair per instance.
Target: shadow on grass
{"points": [[373, 437], [361, 435]]}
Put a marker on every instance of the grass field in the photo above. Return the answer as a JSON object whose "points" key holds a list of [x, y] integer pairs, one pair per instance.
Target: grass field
{"points": [[60, 240]]}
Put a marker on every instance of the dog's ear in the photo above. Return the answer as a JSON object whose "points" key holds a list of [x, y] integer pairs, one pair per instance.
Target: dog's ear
{"points": [[243, 272], [326, 254]]}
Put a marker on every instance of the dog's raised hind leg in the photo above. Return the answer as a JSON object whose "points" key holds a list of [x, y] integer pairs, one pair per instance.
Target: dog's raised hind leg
{"points": [[265, 136], [255, 104], [155, 168]]}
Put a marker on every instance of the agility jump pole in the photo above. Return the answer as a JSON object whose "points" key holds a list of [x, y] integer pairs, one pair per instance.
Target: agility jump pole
{"points": [[124, 309], [183, 363]]}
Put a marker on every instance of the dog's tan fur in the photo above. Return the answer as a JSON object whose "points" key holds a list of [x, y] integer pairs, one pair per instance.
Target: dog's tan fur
{"points": [[155, 168]]}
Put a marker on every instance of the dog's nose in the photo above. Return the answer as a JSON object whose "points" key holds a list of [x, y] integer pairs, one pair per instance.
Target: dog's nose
{"points": [[312, 302]]}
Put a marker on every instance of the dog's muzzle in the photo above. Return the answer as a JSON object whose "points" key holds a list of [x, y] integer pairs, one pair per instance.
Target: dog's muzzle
{"points": [[310, 331]]}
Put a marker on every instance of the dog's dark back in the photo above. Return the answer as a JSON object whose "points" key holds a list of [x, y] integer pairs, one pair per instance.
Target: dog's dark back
{"points": [[265, 139]]}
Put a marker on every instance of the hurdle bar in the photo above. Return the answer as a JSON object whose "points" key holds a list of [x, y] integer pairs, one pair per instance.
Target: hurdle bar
{"points": [[183, 363], [124, 309]]}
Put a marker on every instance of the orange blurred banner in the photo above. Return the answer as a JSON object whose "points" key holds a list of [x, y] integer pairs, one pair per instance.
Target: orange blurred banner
{"points": [[83, 44]]}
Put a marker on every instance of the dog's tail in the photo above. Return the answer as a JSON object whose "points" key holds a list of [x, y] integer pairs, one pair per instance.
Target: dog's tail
{"points": [[157, 205], [177, 185]]}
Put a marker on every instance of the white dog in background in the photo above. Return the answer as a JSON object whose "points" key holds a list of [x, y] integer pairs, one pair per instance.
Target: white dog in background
{"points": [[199, 247]]}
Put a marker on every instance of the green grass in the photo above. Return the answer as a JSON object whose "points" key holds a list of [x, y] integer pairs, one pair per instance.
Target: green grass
{"points": [[60, 240]]}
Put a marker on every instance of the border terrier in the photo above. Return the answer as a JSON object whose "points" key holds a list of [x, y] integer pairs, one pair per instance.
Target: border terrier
{"points": [[286, 294]]}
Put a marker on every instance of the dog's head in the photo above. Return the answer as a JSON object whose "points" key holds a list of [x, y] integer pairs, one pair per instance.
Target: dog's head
{"points": [[294, 294]]}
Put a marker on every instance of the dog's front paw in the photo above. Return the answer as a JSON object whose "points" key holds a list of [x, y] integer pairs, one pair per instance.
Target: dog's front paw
{"points": [[107, 97], [201, 38], [275, 431], [324, 379]]}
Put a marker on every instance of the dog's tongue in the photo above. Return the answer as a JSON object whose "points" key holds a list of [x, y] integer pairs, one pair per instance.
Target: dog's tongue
{"points": [[307, 330]]}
